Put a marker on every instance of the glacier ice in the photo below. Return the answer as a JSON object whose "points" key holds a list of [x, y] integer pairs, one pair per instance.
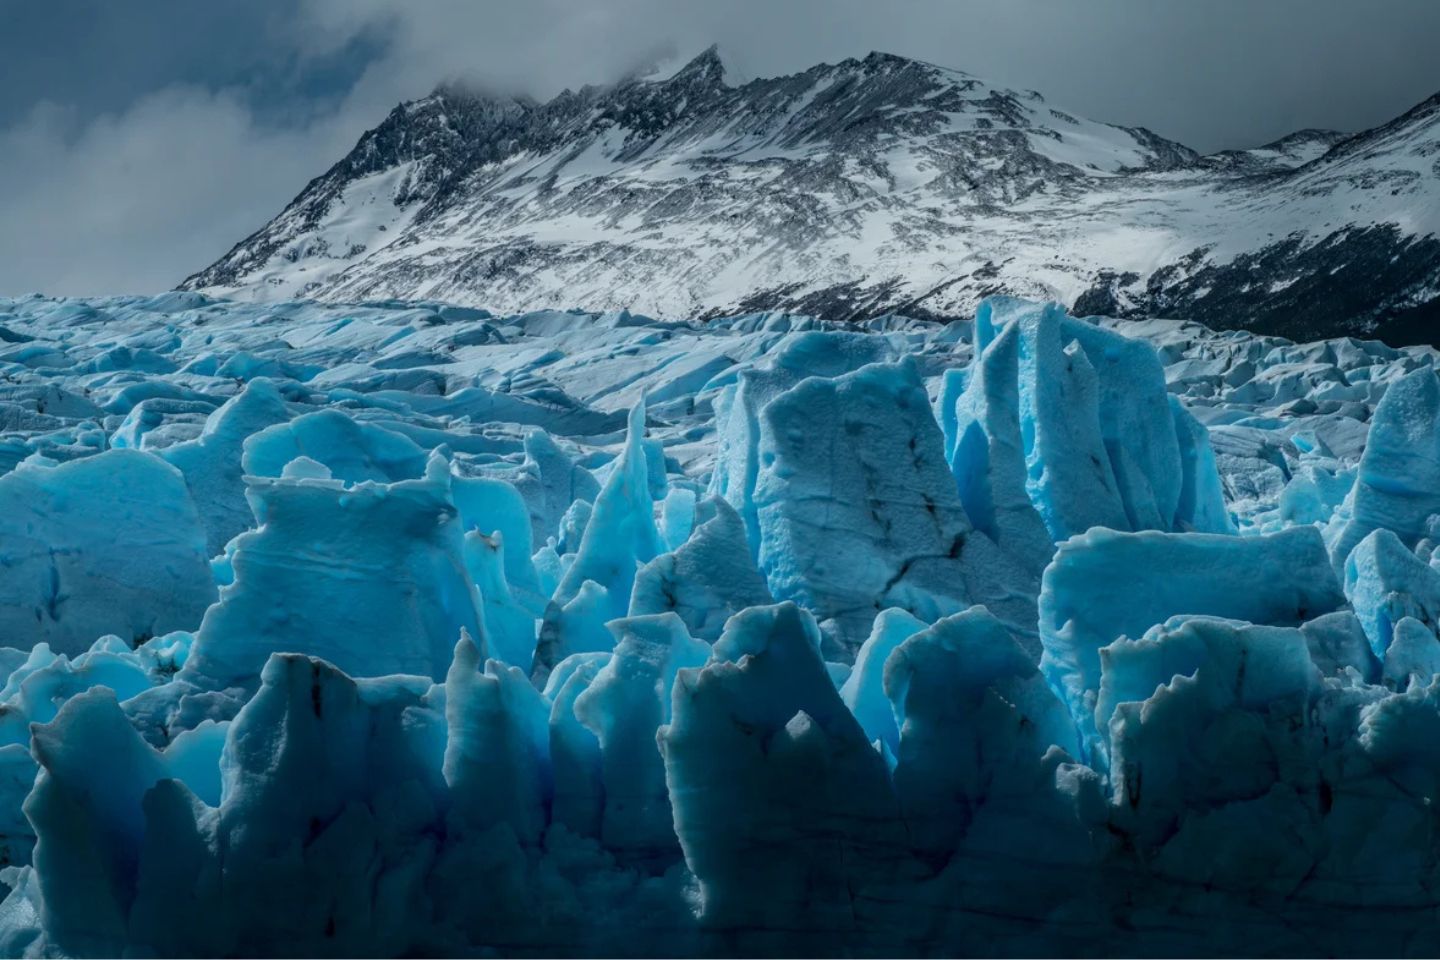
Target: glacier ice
{"points": [[628, 699], [396, 629], [782, 807], [1104, 585], [857, 511], [864, 690], [620, 533], [706, 579], [105, 544], [211, 462], [373, 577], [1398, 483], [1387, 583]]}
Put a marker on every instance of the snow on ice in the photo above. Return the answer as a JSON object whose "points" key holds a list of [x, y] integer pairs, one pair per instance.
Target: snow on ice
{"points": [[404, 629]]}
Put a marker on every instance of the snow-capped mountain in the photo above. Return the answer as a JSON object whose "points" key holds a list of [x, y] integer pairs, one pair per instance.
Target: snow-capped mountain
{"points": [[851, 190]]}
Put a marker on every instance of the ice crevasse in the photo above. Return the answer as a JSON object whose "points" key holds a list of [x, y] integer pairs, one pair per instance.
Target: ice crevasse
{"points": [[755, 637]]}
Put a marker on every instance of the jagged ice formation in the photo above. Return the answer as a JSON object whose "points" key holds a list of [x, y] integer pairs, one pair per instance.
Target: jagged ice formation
{"points": [[405, 628]]}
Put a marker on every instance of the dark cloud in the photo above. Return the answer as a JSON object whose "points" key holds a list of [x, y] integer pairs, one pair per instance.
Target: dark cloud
{"points": [[98, 57], [141, 139], [1212, 73]]}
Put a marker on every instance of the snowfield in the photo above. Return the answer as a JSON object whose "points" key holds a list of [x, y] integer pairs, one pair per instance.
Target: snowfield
{"points": [[405, 628]]}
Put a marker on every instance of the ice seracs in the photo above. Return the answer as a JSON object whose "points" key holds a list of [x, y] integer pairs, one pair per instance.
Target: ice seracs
{"points": [[1104, 585], [858, 512], [108, 544], [211, 463], [1016, 637], [782, 807], [1060, 426], [1386, 583], [706, 579], [1398, 486], [370, 576]]}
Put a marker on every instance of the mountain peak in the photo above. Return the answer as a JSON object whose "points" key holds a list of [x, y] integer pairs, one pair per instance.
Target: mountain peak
{"points": [[706, 67], [885, 57]]}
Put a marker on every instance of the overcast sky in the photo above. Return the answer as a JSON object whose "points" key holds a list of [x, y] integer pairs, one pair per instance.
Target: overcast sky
{"points": [[139, 140]]}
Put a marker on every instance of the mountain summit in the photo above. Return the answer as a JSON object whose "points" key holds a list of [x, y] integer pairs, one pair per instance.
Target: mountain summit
{"points": [[876, 185]]}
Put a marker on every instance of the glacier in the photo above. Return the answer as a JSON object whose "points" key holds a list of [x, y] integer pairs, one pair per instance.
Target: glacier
{"points": [[401, 628]]}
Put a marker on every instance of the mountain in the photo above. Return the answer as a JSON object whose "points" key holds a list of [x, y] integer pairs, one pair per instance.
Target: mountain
{"points": [[854, 189]]}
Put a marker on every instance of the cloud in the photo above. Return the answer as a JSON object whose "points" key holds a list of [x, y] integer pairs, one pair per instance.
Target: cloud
{"points": [[131, 202], [1212, 73]]}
